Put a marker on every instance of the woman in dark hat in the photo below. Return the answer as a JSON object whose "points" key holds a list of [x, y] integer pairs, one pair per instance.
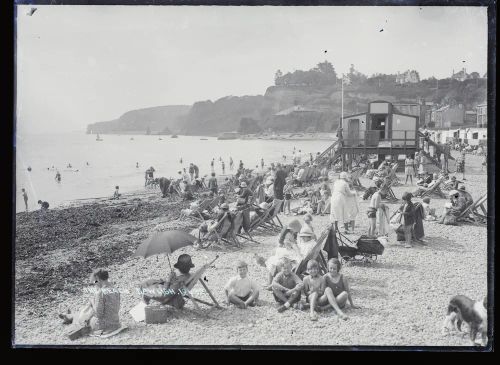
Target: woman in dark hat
{"points": [[172, 290]]}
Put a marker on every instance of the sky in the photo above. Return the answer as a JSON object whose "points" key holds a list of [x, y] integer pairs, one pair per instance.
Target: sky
{"points": [[77, 65]]}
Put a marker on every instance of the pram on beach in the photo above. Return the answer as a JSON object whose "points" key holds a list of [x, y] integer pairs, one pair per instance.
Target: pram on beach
{"points": [[365, 249]]}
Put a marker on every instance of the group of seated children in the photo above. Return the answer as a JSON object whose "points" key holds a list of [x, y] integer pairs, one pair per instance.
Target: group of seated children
{"points": [[320, 292]]}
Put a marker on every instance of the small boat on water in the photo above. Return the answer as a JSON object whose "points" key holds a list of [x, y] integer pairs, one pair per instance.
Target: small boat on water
{"points": [[229, 135], [174, 136], [203, 139], [160, 139], [98, 138]]}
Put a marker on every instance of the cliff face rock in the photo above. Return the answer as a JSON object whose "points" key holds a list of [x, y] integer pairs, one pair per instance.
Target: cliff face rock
{"points": [[225, 114], [160, 119]]}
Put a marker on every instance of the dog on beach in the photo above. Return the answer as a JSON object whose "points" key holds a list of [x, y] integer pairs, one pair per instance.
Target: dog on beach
{"points": [[463, 309]]}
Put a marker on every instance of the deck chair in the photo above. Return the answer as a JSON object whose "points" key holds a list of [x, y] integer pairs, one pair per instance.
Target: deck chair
{"points": [[268, 215], [387, 193], [471, 214], [313, 254], [217, 233], [355, 175], [434, 190], [238, 230], [213, 203], [196, 213], [197, 278], [394, 178], [271, 220]]}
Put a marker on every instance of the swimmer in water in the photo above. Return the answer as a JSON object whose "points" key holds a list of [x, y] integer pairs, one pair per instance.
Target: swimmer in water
{"points": [[58, 176], [88, 164], [29, 168], [181, 160], [137, 164]]}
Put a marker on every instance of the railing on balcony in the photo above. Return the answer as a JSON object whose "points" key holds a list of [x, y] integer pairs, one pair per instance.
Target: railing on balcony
{"points": [[371, 138]]}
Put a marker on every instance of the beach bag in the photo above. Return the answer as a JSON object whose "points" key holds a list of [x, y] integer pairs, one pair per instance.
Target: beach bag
{"points": [[369, 245], [395, 221]]}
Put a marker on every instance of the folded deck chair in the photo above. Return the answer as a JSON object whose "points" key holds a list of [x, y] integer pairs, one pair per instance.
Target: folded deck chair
{"points": [[434, 190], [472, 214], [313, 254], [197, 277]]}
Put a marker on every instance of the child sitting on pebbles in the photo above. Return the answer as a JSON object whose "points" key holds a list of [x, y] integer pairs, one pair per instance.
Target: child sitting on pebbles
{"points": [[241, 290], [286, 286], [430, 213], [338, 287], [313, 287]]}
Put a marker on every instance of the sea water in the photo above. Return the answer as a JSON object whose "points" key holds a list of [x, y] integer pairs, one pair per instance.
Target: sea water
{"points": [[112, 161]]}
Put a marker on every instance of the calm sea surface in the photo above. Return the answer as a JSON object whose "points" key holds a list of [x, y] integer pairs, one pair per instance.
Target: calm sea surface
{"points": [[113, 161]]}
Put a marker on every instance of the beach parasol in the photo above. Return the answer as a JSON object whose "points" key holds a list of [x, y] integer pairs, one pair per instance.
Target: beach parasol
{"points": [[164, 242]]}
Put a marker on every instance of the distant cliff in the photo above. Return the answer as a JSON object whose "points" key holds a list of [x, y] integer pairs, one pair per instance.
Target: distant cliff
{"points": [[160, 119], [299, 102]]}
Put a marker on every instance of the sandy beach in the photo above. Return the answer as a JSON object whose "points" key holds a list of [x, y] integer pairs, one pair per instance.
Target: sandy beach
{"points": [[403, 295]]}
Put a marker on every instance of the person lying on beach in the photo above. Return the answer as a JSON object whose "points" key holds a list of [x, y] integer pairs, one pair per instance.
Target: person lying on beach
{"points": [[286, 286], [240, 290], [101, 313], [170, 291], [287, 247]]}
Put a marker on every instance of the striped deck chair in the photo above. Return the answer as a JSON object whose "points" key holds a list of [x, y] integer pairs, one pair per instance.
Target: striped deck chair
{"points": [[313, 254], [471, 214], [434, 190]]}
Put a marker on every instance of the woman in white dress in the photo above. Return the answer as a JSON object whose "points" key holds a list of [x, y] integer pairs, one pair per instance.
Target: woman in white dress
{"points": [[352, 209], [339, 209]]}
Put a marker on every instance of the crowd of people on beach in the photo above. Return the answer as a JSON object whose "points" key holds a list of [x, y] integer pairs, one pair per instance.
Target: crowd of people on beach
{"points": [[311, 289]]}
